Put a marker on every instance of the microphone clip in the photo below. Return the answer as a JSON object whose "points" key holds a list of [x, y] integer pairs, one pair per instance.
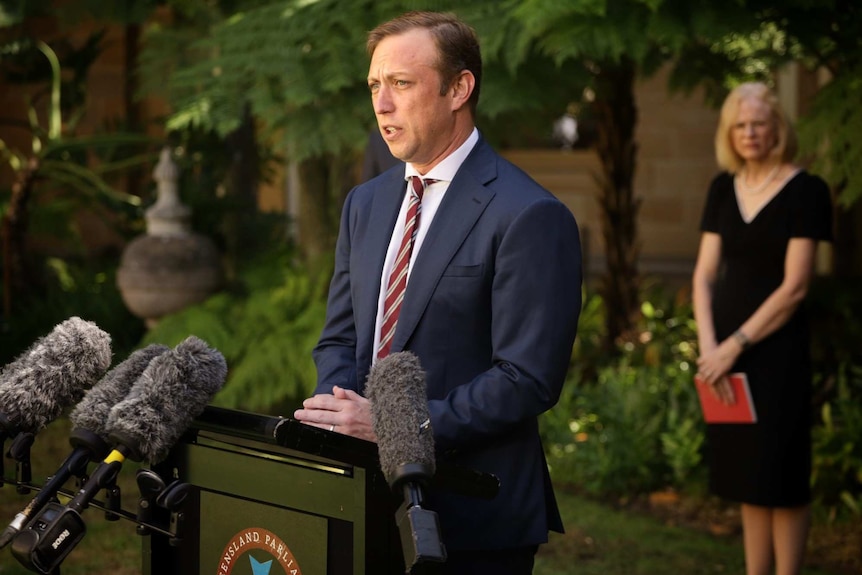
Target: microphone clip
{"points": [[158, 495], [19, 450]]}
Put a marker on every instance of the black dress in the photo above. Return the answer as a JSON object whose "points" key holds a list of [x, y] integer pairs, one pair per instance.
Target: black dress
{"points": [[767, 463]]}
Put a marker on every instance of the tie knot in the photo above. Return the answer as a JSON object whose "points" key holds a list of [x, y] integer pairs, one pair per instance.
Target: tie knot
{"points": [[419, 184]]}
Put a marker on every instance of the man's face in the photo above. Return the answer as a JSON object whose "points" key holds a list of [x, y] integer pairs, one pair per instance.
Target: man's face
{"points": [[417, 122]]}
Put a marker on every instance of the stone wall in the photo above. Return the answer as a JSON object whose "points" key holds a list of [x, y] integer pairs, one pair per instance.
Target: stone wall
{"points": [[675, 164]]}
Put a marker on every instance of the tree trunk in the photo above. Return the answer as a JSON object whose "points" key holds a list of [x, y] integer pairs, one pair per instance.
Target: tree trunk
{"points": [[616, 117], [242, 180], [16, 275], [324, 183]]}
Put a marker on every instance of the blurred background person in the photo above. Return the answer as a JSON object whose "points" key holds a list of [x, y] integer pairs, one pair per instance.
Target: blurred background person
{"points": [[761, 223]]}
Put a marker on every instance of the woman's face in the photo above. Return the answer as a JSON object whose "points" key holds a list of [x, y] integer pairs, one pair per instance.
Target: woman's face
{"points": [[753, 134]]}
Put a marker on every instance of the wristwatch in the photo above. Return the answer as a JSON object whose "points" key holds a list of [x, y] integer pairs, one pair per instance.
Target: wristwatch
{"points": [[742, 339]]}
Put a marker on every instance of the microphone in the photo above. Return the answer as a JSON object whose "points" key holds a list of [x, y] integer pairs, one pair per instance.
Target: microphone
{"points": [[91, 414], [44, 380], [400, 418], [52, 374], [173, 389], [89, 432]]}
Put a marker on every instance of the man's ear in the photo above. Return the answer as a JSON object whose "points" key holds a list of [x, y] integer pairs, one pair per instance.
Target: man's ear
{"points": [[461, 88]]}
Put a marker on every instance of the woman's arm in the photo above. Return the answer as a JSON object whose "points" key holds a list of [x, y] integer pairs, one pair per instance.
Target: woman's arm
{"points": [[773, 313], [778, 308], [703, 279]]}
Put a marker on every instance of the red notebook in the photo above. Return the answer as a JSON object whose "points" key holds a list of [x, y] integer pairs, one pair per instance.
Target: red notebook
{"points": [[714, 411]]}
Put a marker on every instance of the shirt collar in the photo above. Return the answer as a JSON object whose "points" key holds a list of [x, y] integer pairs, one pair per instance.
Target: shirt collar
{"points": [[445, 171]]}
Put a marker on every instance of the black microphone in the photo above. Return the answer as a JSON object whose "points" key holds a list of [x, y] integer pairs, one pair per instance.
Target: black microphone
{"points": [[89, 432], [48, 377], [174, 388], [400, 418]]}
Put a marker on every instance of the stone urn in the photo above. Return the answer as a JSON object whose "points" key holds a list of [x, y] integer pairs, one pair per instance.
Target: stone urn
{"points": [[170, 267]]}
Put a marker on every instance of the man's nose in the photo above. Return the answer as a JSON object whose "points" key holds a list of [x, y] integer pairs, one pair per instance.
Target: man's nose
{"points": [[382, 100]]}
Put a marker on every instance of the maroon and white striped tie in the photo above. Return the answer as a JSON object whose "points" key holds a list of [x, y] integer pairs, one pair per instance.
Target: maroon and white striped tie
{"points": [[397, 284]]}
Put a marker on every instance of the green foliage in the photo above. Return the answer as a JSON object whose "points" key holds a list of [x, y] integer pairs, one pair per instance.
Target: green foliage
{"points": [[638, 425], [266, 333], [300, 66], [61, 157], [830, 134], [60, 174], [837, 441], [84, 289]]}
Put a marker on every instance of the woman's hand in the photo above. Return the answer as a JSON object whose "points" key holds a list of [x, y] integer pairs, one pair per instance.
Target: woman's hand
{"points": [[714, 365]]}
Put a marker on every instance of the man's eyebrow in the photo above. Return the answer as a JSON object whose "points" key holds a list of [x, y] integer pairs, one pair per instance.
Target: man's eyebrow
{"points": [[390, 75]]}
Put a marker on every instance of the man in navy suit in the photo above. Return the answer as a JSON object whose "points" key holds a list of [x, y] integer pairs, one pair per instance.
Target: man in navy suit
{"points": [[492, 300]]}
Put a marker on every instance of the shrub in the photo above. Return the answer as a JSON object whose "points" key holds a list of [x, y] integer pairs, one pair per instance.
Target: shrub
{"points": [[86, 289], [637, 425], [266, 332], [837, 445]]}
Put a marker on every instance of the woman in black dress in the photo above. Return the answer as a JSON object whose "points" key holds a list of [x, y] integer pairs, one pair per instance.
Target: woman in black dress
{"points": [[761, 223]]}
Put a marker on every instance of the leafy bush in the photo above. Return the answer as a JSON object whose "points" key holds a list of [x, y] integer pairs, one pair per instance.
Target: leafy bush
{"points": [[837, 445], [637, 426], [71, 288], [265, 332]]}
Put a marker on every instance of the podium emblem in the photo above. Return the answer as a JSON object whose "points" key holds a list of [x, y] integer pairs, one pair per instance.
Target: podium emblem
{"points": [[257, 551]]}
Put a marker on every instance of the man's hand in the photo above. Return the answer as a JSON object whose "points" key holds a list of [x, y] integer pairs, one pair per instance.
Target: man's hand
{"points": [[344, 411]]}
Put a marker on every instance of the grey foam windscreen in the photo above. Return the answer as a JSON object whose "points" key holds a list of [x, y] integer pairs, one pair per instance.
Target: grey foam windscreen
{"points": [[400, 418], [53, 374], [92, 411], [173, 389]]}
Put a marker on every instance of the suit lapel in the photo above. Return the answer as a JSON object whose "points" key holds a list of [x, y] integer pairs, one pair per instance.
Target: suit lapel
{"points": [[465, 200]]}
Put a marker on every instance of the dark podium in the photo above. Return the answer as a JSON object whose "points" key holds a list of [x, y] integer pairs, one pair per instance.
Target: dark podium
{"points": [[270, 489]]}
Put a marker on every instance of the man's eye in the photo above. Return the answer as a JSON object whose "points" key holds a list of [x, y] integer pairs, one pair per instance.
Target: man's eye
{"points": [[400, 82], [374, 86]]}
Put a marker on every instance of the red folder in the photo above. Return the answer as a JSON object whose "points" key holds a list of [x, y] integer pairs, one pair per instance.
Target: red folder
{"points": [[714, 411]]}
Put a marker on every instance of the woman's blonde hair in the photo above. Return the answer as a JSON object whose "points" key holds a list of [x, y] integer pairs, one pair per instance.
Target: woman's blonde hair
{"points": [[785, 146]]}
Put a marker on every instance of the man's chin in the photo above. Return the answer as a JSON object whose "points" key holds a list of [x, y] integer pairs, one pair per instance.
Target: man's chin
{"points": [[398, 152]]}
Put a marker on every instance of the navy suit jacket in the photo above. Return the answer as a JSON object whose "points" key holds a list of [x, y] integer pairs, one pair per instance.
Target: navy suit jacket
{"points": [[491, 311]]}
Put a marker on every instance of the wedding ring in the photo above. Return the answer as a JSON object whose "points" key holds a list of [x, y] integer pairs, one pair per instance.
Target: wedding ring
{"points": [[332, 427]]}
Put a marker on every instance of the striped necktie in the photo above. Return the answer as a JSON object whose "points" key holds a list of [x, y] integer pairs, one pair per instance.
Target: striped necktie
{"points": [[397, 284]]}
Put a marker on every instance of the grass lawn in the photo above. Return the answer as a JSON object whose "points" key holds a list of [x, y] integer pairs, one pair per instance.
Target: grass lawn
{"points": [[600, 540], [603, 541]]}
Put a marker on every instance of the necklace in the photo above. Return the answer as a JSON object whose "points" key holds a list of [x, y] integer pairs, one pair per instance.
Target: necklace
{"points": [[761, 186]]}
